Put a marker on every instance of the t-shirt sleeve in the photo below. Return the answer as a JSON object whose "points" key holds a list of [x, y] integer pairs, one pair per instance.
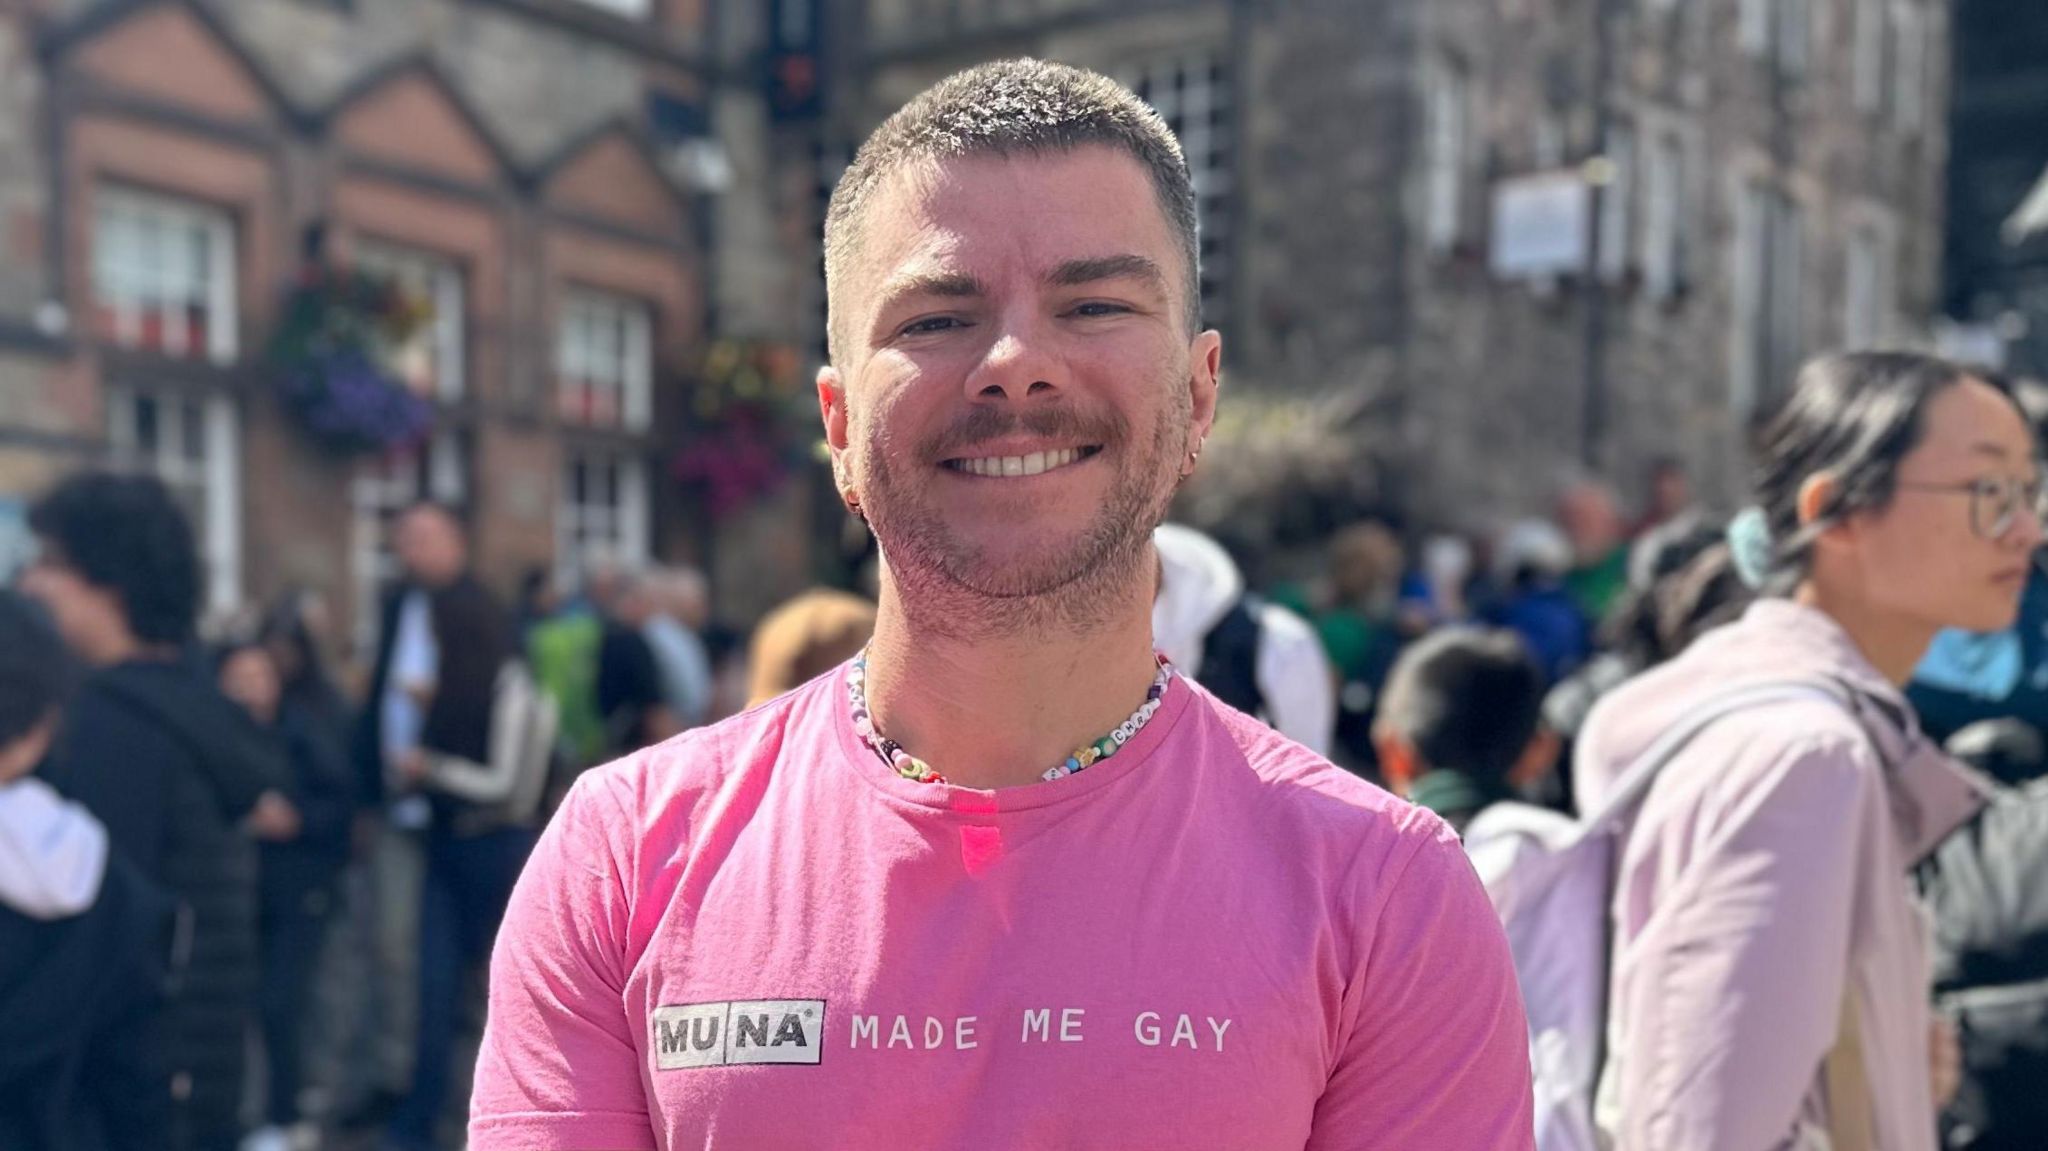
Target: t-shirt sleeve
{"points": [[1435, 1051], [559, 1067]]}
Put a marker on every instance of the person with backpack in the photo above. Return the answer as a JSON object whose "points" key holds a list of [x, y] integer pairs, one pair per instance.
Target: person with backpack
{"points": [[1255, 656], [85, 940], [1458, 727], [1770, 976]]}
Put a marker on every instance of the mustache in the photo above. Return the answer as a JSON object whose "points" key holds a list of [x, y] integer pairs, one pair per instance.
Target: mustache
{"points": [[981, 425]]}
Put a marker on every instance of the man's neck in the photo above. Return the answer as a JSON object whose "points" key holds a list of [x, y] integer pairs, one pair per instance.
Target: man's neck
{"points": [[997, 711]]}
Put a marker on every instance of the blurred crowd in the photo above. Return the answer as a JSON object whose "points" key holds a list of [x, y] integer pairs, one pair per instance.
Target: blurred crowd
{"points": [[205, 842]]}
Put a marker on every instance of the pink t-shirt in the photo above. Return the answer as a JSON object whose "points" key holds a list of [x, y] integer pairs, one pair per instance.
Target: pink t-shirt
{"points": [[757, 936]]}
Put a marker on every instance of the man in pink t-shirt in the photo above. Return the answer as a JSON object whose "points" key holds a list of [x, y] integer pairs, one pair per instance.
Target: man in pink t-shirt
{"points": [[1004, 881]]}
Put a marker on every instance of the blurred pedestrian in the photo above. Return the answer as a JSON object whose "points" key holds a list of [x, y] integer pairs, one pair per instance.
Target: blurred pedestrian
{"points": [[299, 874], [1669, 515], [1771, 979], [1457, 728], [631, 694], [811, 634], [85, 939], [446, 643], [675, 630], [1115, 913], [1258, 657], [173, 770], [1592, 522], [1533, 560], [561, 642]]}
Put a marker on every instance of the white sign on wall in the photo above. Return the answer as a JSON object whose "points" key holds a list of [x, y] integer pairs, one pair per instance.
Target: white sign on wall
{"points": [[1540, 225]]}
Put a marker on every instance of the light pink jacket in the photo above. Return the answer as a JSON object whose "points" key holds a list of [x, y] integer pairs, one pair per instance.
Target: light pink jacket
{"points": [[1762, 884]]}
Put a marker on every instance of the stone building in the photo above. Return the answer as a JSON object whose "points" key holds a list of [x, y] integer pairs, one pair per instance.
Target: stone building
{"points": [[1997, 266], [1770, 175], [167, 168]]}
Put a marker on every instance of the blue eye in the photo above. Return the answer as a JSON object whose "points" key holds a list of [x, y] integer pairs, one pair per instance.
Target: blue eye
{"points": [[932, 324]]}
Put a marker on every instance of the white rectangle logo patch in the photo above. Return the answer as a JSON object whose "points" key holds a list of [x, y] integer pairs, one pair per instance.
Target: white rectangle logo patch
{"points": [[745, 1031]]}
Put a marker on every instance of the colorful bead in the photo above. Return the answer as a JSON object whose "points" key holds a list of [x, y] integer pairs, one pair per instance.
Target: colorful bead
{"points": [[912, 768]]}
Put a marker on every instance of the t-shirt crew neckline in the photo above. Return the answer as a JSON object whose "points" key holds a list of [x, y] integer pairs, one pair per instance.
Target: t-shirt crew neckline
{"points": [[946, 797]]}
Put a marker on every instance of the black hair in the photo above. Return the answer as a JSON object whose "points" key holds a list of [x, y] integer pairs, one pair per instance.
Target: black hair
{"points": [[31, 666], [1694, 588], [1467, 700], [127, 535], [1855, 416]]}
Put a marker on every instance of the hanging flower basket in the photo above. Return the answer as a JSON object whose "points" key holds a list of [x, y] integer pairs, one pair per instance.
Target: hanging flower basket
{"points": [[745, 434], [338, 361]]}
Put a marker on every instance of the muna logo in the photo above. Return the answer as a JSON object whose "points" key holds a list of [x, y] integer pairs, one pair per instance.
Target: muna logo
{"points": [[745, 1031]]}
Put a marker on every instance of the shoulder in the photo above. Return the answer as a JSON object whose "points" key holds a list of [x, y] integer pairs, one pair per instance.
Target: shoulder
{"points": [[655, 796], [1303, 800]]}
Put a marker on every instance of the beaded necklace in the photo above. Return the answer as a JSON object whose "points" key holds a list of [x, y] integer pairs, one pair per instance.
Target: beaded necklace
{"points": [[910, 767]]}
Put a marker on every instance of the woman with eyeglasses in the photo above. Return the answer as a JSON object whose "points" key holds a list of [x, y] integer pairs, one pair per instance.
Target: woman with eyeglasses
{"points": [[1769, 985]]}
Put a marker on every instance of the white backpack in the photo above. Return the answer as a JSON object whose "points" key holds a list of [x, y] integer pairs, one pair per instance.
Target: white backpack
{"points": [[1551, 879]]}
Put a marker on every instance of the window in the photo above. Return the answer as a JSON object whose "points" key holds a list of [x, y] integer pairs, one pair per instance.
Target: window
{"points": [[432, 361], [602, 513], [1664, 217], [1768, 317], [1192, 94], [604, 362], [1794, 44], [1869, 54], [1866, 288], [1909, 72], [164, 275], [1787, 347], [380, 491], [1447, 122], [1753, 26], [1618, 203], [1781, 30], [633, 8], [192, 444]]}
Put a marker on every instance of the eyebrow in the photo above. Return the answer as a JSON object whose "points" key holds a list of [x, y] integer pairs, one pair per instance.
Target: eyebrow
{"points": [[1987, 448], [1075, 273], [945, 285]]}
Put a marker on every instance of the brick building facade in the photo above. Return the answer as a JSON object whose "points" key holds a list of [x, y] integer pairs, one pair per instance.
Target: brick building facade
{"points": [[162, 167]]}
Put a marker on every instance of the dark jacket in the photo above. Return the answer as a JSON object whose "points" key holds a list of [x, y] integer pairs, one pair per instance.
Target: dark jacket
{"points": [[70, 990], [1985, 891], [324, 794], [171, 768], [475, 638]]}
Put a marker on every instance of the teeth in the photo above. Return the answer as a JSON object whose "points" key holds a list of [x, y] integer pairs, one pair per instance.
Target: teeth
{"points": [[1031, 465]]}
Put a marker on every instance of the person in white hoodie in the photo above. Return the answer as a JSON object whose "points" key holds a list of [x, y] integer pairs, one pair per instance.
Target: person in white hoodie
{"points": [[1255, 656], [53, 853], [79, 961]]}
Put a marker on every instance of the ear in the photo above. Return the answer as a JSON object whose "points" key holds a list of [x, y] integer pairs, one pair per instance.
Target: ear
{"points": [[832, 409], [1537, 761], [1398, 764], [1205, 377], [1815, 496]]}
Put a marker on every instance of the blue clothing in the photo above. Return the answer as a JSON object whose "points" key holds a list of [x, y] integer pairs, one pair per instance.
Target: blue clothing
{"points": [[1549, 621], [1966, 678]]}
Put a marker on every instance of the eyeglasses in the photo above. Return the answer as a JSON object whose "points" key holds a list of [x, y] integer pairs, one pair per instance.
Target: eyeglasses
{"points": [[1995, 504]]}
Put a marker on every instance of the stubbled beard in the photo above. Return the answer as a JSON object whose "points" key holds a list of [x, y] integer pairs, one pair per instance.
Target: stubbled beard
{"points": [[948, 586]]}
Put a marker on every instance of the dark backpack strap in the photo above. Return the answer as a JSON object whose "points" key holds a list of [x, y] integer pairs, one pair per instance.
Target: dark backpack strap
{"points": [[1230, 657]]}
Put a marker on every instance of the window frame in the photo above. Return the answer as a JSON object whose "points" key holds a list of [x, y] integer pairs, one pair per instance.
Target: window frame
{"points": [[634, 385], [169, 215]]}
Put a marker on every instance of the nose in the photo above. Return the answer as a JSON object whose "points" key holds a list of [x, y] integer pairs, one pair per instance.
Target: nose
{"points": [[1018, 365], [2027, 531]]}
